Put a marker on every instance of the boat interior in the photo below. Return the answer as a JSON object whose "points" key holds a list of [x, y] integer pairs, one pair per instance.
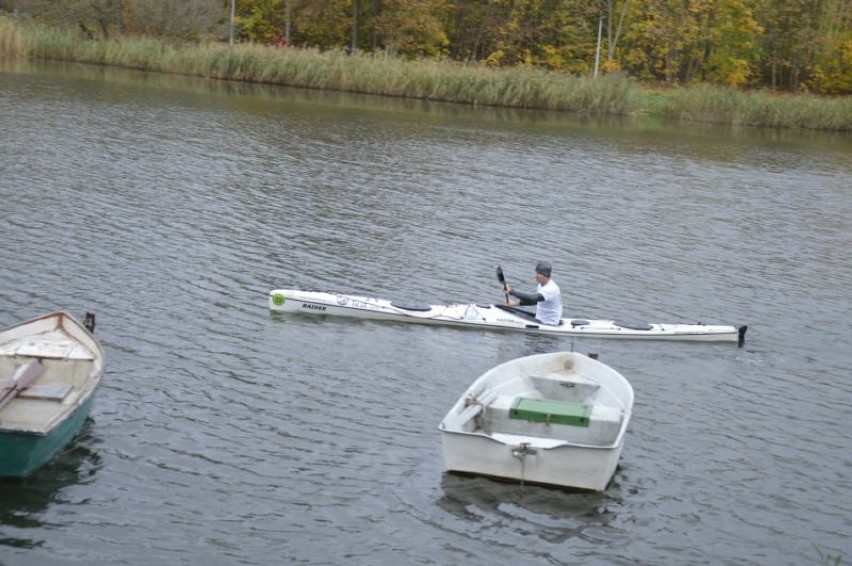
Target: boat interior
{"points": [[557, 406], [54, 393]]}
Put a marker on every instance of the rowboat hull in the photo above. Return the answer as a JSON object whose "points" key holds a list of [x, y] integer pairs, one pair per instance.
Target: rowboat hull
{"points": [[553, 419], [567, 467], [490, 317], [24, 453], [39, 419]]}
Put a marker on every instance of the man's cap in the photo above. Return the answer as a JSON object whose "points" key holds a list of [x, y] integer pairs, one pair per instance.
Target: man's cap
{"points": [[544, 268]]}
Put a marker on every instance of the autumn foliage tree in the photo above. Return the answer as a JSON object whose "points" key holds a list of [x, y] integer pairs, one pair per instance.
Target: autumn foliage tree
{"points": [[788, 45]]}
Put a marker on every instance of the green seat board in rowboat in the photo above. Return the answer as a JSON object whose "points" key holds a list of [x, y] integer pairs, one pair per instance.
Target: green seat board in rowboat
{"points": [[550, 411]]}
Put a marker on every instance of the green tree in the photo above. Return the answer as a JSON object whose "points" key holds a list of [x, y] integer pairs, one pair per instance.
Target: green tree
{"points": [[732, 44], [410, 27], [261, 21], [313, 23], [322, 23], [472, 28], [653, 39], [691, 41], [790, 42], [178, 19], [832, 70], [94, 18], [791, 45], [556, 34], [614, 13]]}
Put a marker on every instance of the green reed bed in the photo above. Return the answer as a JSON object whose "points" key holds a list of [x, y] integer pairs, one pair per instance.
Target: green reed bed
{"points": [[12, 40], [707, 103], [522, 87], [333, 70]]}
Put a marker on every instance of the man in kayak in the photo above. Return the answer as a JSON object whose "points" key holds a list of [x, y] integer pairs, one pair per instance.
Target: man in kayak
{"points": [[547, 297]]}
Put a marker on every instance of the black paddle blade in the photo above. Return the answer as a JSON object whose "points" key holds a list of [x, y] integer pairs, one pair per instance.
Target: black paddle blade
{"points": [[500, 276]]}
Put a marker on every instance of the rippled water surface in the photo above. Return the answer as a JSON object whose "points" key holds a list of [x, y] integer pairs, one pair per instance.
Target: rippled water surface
{"points": [[224, 434]]}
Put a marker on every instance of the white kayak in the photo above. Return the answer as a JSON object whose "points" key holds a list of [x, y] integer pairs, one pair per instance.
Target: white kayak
{"points": [[491, 317]]}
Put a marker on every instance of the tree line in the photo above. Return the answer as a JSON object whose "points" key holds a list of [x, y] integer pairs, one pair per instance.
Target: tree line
{"points": [[783, 45]]}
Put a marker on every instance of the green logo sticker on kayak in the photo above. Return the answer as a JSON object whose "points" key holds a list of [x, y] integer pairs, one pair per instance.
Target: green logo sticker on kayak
{"points": [[278, 299]]}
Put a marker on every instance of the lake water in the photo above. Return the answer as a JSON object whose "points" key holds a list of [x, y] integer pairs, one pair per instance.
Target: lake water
{"points": [[224, 434]]}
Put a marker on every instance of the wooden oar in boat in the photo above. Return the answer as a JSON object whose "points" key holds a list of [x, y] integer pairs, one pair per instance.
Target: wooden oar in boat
{"points": [[26, 375]]}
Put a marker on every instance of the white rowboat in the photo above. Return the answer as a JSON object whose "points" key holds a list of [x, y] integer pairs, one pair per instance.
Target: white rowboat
{"points": [[52, 366], [555, 419], [491, 317]]}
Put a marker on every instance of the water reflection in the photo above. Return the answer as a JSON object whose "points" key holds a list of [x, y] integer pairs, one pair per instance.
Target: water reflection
{"points": [[24, 501], [640, 130], [559, 513], [517, 345], [544, 344]]}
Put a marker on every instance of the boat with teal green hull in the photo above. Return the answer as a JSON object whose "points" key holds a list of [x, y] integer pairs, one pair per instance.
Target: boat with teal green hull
{"points": [[50, 368], [25, 453]]}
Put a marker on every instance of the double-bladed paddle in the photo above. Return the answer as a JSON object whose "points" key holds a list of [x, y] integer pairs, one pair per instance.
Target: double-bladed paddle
{"points": [[23, 378], [502, 279]]}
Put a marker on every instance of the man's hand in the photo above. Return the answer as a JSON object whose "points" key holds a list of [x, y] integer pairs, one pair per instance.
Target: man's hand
{"points": [[506, 290]]}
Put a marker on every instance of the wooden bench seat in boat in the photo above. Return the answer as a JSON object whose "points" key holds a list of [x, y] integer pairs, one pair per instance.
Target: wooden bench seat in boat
{"points": [[47, 349], [550, 411], [604, 423], [55, 391]]}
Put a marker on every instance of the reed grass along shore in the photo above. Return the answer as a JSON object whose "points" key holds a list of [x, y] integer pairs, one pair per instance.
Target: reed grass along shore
{"points": [[428, 79]]}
